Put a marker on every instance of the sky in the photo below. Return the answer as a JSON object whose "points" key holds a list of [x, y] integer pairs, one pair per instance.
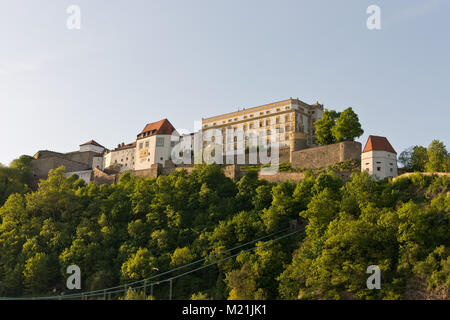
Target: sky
{"points": [[135, 62]]}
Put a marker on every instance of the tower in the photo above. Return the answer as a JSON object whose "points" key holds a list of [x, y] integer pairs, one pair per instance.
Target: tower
{"points": [[379, 158], [298, 141]]}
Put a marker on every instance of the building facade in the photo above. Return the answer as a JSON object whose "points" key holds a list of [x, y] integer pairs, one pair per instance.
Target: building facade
{"points": [[379, 159], [123, 155], [278, 120], [153, 145]]}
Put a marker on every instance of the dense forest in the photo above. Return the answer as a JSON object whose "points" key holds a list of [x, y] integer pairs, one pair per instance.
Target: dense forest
{"points": [[139, 228]]}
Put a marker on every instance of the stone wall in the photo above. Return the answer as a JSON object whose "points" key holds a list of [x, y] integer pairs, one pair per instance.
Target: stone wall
{"points": [[298, 176], [282, 176], [153, 172], [100, 177], [41, 167], [323, 156], [408, 174]]}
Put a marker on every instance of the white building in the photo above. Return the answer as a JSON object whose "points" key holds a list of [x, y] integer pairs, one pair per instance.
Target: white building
{"points": [[379, 158], [93, 146], [154, 145], [123, 155], [278, 120]]}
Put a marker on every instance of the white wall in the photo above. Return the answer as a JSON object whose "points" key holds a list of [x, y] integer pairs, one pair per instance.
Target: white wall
{"points": [[84, 175], [97, 162], [147, 151], [381, 164], [125, 158], [90, 147]]}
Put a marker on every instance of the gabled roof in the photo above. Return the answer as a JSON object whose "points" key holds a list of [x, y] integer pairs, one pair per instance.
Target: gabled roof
{"points": [[160, 127], [377, 143], [92, 142]]}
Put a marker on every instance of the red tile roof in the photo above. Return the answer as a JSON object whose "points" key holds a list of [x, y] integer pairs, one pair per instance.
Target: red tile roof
{"points": [[93, 142], [160, 127], [376, 143]]}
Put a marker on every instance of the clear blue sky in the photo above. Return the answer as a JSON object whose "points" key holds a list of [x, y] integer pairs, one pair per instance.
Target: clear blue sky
{"points": [[135, 62]]}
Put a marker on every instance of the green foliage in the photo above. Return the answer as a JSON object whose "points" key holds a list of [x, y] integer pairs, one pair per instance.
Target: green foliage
{"points": [[438, 157], [323, 128], [414, 159], [200, 296], [15, 178], [434, 159], [336, 127], [141, 227], [347, 126]]}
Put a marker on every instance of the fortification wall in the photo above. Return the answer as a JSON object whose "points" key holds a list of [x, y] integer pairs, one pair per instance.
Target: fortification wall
{"points": [[408, 174], [282, 176], [319, 157], [100, 177], [41, 167]]}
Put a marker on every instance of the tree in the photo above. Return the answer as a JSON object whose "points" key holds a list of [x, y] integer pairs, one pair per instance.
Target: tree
{"points": [[182, 256], [347, 126], [414, 159], [438, 157], [39, 273], [15, 178], [324, 126], [141, 265]]}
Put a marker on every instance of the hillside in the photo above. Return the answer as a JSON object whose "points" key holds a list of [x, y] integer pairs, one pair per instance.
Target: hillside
{"points": [[143, 227]]}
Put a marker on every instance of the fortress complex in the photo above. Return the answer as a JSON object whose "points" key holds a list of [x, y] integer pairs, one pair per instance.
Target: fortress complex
{"points": [[159, 148]]}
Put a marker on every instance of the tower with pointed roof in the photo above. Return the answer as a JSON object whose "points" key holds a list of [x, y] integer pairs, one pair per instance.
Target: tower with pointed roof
{"points": [[93, 146], [379, 158]]}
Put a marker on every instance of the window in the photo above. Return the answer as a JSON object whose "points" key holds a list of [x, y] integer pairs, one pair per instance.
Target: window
{"points": [[378, 168], [288, 128], [251, 125], [172, 143], [392, 170], [159, 142], [287, 119], [141, 145], [162, 158]]}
